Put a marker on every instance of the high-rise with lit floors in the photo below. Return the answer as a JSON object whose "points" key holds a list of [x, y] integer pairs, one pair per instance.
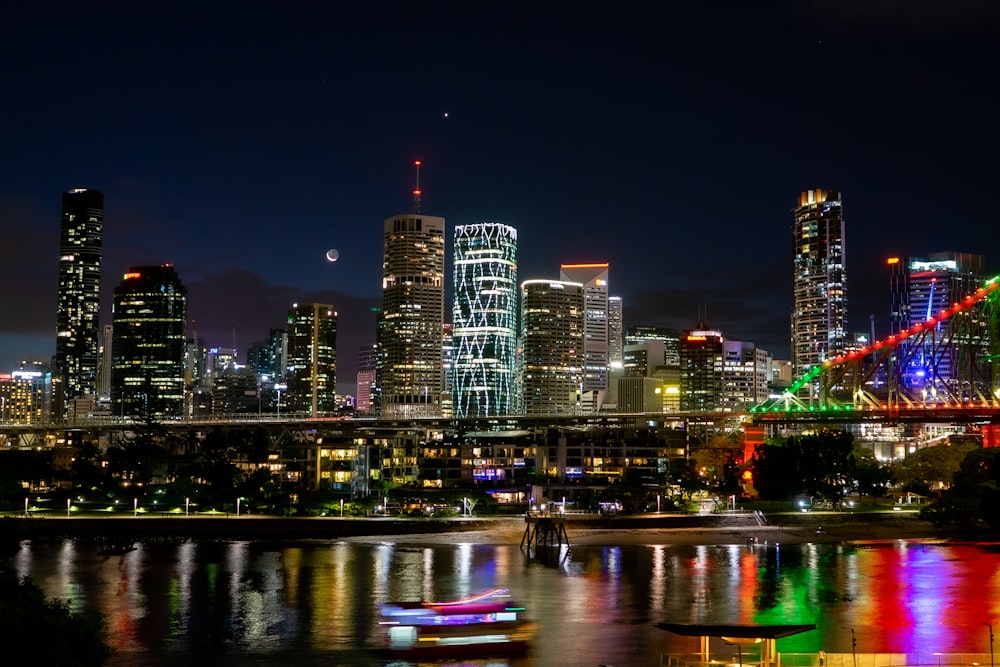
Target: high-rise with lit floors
{"points": [[147, 348], [77, 332], [366, 387], [410, 376], [551, 360], [484, 320], [594, 278], [819, 281], [311, 375], [616, 333]]}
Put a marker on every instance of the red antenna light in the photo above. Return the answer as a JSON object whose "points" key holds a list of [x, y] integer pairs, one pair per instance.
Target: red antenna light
{"points": [[416, 191]]}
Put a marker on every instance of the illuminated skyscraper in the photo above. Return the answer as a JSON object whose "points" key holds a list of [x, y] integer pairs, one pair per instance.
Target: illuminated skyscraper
{"points": [[77, 333], [410, 377], [702, 369], [594, 278], [312, 359], [819, 281], [616, 333], [367, 360], [147, 348], [552, 325], [485, 320]]}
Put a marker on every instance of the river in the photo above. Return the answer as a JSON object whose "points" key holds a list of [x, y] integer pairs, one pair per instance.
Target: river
{"points": [[315, 602]]}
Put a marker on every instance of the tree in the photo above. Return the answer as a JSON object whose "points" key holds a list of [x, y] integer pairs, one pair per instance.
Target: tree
{"points": [[974, 496], [775, 471], [816, 464], [871, 476], [46, 630], [931, 467]]}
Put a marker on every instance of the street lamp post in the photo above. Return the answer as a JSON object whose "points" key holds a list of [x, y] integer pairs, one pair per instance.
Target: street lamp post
{"points": [[990, 626], [279, 388], [854, 646]]}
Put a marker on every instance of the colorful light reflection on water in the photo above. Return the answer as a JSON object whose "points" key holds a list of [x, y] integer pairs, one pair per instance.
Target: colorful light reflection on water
{"points": [[266, 602]]}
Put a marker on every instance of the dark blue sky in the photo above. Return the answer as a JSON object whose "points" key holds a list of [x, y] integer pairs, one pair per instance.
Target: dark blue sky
{"points": [[241, 140]]}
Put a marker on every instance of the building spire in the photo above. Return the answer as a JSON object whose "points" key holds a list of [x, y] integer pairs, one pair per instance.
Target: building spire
{"points": [[416, 190]]}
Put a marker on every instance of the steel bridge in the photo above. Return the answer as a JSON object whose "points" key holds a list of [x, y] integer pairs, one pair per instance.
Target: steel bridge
{"points": [[944, 369]]}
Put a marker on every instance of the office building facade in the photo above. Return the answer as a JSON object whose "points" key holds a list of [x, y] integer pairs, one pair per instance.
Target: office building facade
{"points": [[311, 375], [410, 376], [616, 333], [148, 340], [551, 359], [702, 369], [484, 320], [819, 280], [366, 387], [79, 297], [594, 278]]}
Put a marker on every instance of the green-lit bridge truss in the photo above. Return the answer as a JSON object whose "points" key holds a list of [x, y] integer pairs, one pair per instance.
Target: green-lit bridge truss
{"points": [[957, 353]]}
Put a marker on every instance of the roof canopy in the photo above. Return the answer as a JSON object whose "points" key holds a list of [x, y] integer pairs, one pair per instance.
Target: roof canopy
{"points": [[738, 631]]}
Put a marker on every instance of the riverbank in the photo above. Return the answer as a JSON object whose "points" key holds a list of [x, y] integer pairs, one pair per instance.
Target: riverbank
{"points": [[654, 529], [815, 528]]}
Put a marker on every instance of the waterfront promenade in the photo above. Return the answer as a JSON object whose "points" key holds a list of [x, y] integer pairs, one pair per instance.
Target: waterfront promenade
{"points": [[581, 529]]}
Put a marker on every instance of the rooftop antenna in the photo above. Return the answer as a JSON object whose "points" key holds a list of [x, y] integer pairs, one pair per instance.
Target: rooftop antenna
{"points": [[416, 191]]}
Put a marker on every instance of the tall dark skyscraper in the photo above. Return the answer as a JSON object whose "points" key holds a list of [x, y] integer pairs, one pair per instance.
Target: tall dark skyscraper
{"points": [[312, 359], [819, 309], [77, 332], [147, 348]]}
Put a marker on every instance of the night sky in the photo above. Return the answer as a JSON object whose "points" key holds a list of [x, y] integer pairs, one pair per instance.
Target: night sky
{"points": [[241, 140]]}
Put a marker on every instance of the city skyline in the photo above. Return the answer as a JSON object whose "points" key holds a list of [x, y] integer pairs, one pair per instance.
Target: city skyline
{"points": [[671, 142]]}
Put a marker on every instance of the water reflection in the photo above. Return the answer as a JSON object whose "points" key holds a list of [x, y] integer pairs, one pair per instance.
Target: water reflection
{"points": [[316, 602]]}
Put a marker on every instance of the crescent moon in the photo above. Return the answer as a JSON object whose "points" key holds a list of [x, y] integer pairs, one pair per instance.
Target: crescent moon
{"points": [[332, 255]]}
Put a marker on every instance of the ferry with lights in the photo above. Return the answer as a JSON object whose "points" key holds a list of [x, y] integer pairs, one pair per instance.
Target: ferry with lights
{"points": [[481, 625]]}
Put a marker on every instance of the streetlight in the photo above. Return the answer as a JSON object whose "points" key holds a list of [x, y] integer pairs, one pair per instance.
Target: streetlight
{"points": [[990, 626], [280, 388], [187, 506], [135, 507], [341, 508], [854, 645]]}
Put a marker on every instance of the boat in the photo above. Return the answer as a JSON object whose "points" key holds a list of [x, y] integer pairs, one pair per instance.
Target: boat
{"points": [[482, 625]]}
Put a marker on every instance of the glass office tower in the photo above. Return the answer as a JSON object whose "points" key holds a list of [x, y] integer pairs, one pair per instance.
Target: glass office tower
{"points": [[410, 356], [551, 368], [819, 281], [484, 320], [311, 374], [148, 338], [596, 348], [79, 297]]}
